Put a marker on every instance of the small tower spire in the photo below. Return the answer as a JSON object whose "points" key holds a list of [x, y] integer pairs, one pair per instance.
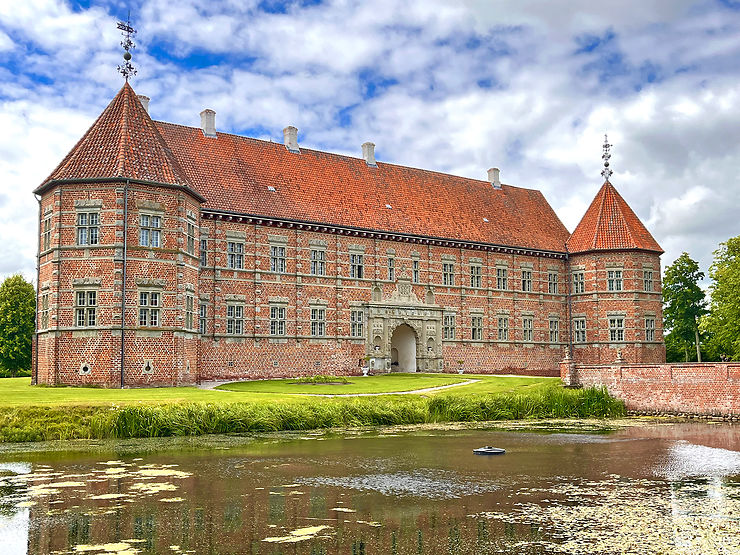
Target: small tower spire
{"points": [[127, 69], [606, 172]]}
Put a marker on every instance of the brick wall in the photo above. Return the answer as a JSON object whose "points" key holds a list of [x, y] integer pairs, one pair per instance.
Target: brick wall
{"points": [[696, 388]]}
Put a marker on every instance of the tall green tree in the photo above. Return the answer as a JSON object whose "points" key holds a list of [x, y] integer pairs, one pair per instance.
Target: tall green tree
{"points": [[724, 319], [17, 316], [684, 304]]}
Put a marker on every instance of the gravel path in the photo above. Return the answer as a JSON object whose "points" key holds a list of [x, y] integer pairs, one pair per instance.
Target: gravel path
{"points": [[213, 384]]}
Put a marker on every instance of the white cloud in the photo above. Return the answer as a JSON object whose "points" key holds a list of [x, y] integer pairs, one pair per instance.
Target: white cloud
{"points": [[541, 120]]}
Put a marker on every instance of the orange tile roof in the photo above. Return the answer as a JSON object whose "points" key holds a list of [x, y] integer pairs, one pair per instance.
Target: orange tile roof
{"points": [[123, 142], [610, 224], [234, 174]]}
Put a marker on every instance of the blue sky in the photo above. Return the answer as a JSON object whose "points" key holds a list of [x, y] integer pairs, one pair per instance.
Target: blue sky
{"points": [[528, 86]]}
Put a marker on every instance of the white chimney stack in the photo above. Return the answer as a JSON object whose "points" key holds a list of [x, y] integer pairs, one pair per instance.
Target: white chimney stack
{"points": [[208, 122], [494, 177], [290, 138], [368, 153], [144, 101]]}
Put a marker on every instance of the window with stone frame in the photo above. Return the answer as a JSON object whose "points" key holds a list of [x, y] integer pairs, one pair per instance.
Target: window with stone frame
{"points": [[150, 303], [647, 280], [476, 327], [554, 325], [614, 280], [448, 273], [356, 266], [552, 282], [579, 282], [150, 230], [415, 271], [527, 328], [318, 262], [277, 259], [234, 319], [277, 319], [88, 228], [190, 238], [46, 234], [44, 317], [579, 330], [235, 255], [616, 328], [475, 276], [202, 318], [650, 329], [503, 328], [527, 280], [189, 312], [86, 307], [318, 321], [391, 268], [502, 279], [204, 252], [357, 323], [448, 326]]}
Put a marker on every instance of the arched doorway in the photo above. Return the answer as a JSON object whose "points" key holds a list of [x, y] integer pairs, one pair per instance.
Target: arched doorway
{"points": [[403, 349]]}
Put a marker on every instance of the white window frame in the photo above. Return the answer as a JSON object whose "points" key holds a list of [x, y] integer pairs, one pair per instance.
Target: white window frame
{"points": [[204, 252], [86, 308], [502, 279], [614, 281], [278, 262], [88, 228], [318, 262], [528, 328], [356, 265], [448, 326], [318, 321], [46, 233], [202, 318], [476, 276], [503, 328], [234, 319], [391, 268], [448, 274], [647, 280], [278, 319], [527, 281], [650, 328], [415, 271], [616, 329], [579, 282], [579, 330], [235, 255], [189, 312], [552, 283], [357, 323], [150, 305], [554, 329], [476, 327], [190, 237], [150, 230]]}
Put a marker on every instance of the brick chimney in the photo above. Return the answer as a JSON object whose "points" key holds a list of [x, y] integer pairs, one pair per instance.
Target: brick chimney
{"points": [[208, 122], [368, 153], [290, 138], [494, 177], [144, 101]]}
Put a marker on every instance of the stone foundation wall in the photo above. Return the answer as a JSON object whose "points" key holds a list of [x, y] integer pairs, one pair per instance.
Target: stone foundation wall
{"points": [[696, 388]]}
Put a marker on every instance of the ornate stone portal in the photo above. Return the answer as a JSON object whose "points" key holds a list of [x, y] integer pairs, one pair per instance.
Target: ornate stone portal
{"points": [[387, 353]]}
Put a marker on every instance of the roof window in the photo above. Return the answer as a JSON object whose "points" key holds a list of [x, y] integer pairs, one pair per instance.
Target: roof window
{"points": [[388, 206], [485, 219], [271, 188]]}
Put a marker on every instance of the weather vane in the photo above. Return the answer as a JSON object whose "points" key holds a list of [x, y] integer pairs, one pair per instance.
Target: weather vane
{"points": [[127, 69], [606, 172]]}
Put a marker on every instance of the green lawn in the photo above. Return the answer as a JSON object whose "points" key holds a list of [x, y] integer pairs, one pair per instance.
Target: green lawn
{"points": [[17, 392]]}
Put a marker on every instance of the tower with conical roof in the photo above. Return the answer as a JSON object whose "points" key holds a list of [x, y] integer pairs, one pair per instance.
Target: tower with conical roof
{"points": [[118, 263], [615, 300]]}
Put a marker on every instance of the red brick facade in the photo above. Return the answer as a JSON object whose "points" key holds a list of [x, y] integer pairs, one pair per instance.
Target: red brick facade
{"points": [[696, 388], [213, 293]]}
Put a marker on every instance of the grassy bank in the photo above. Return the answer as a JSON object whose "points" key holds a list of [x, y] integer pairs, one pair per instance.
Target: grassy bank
{"points": [[29, 423]]}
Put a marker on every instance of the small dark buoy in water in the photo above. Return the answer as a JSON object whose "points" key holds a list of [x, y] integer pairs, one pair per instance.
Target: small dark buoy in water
{"points": [[488, 450]]}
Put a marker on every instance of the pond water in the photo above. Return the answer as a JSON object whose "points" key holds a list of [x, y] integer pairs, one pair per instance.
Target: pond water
{"points": [[642, 489]]}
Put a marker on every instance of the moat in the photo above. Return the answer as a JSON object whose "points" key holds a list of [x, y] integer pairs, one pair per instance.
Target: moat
{"points": [[669, 488]]}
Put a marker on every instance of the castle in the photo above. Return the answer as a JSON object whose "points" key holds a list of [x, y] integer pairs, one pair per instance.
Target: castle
{"points": [[172, 254]]}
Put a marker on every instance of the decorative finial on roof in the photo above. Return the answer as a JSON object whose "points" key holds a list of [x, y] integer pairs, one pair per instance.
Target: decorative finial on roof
{"points": [[127, 69], [606, 173]]}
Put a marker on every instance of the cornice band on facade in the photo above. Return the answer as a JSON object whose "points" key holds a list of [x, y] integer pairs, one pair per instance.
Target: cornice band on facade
{"points": [[46, 186], [374, 234]]}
